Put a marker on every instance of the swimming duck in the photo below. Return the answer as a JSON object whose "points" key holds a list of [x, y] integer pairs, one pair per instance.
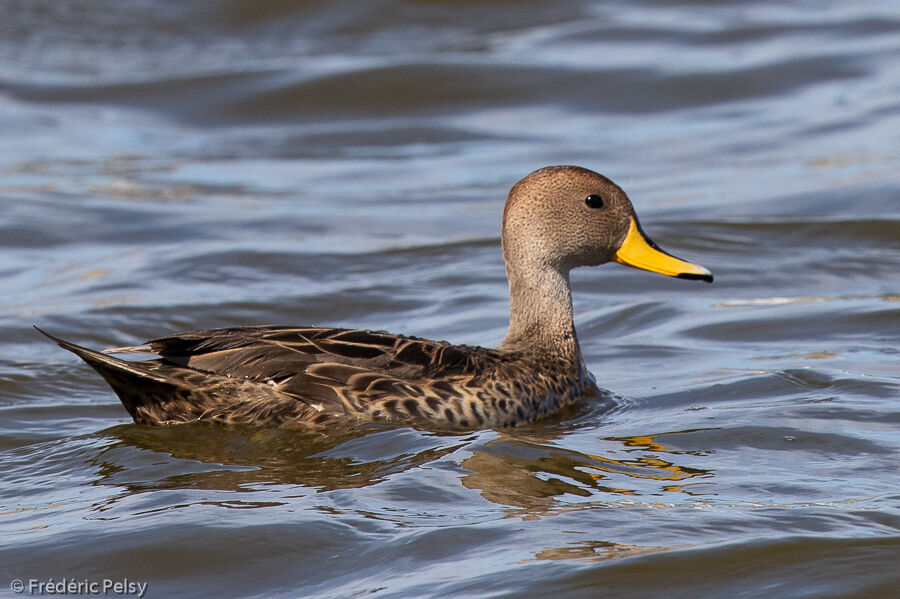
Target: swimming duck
{"points": [[555, 219]]}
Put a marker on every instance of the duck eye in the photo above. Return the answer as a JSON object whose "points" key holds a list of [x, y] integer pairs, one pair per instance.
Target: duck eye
{"points": [[594, 201]]}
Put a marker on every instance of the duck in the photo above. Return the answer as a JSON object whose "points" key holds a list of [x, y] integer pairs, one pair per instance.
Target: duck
{"points": [[555, 219]]}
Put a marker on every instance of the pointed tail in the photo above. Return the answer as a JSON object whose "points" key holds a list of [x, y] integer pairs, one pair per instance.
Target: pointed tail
{"points": [[100, 361], [159, 392], [135, 383]]}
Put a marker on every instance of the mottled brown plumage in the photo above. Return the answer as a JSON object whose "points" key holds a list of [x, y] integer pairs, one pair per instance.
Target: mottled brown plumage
{"points": [[554, 220]]}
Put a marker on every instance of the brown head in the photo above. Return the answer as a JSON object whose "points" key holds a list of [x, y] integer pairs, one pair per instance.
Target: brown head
{"points": [[563, 217]]}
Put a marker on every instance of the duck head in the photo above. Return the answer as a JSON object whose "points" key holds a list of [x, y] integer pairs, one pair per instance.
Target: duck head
{"points": [[562, 217]]}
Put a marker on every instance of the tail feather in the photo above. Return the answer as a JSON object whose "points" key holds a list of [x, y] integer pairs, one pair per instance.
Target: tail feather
{"points": [[142, 392], [102, 362], [130, 349], [158, 392]]}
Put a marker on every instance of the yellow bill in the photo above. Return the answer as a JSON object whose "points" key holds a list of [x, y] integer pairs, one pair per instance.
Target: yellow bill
{"points": [[638, 251]]}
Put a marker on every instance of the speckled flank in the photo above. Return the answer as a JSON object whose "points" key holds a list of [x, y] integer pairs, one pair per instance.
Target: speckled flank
{"points": [[314, 376], [455, 386]]}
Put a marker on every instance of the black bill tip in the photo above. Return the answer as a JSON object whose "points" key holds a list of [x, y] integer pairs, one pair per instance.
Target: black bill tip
{"points": [[695, 277]]}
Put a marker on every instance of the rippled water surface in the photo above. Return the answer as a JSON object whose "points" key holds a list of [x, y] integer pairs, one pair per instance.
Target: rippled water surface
{"points": [[169, 165]]}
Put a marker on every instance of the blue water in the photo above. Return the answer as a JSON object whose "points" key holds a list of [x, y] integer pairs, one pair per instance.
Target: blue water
{"points": [[167, 166]]}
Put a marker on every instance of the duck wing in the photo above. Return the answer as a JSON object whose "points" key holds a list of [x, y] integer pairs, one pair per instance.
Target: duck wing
{"points": [[339, 372], [277, 374], [275, 353]]}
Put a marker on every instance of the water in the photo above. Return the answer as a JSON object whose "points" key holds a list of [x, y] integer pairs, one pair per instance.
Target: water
{"points": [[167, 166]]}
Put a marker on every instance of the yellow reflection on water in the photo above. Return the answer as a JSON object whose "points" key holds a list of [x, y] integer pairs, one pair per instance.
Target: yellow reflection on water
{"points": [[535, 476], [594, 550]]}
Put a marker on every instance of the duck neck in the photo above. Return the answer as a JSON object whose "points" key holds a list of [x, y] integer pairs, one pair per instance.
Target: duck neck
{"points": [[540, 313]]}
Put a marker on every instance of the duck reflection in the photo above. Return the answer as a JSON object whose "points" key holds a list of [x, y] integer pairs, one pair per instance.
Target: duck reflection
{"points": [[535, 471], [237, 458], [532, 475], [595, 551]]}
